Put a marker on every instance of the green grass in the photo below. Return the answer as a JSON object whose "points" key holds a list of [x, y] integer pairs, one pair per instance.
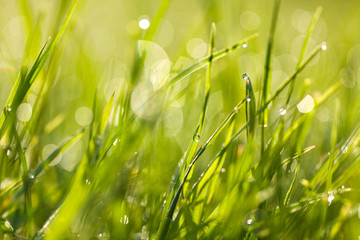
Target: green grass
{"points": [[109, 131]]}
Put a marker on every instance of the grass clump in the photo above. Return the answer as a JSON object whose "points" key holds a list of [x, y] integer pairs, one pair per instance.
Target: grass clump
{"points": [[119, 136]]}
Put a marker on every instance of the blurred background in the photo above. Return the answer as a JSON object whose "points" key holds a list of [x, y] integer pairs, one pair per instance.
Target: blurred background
{"points": [[105, 39]]}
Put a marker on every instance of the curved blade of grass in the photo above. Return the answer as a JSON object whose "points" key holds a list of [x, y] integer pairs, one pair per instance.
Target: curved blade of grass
{"points": [[26, 183], [206, 184], [201, 151], [280, 126], [73, 201], [24, 82], [333, 141], [292, 76], [217, 55], [267, 72], [328, 93], [296, 156], [312, 24], [169, 210], [287, 81], [250, 107], [35, 173], [65, 145], [302, 133]]}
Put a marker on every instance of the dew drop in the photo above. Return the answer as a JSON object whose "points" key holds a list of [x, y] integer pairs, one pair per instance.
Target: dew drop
{"points": [[255, 222], [344, 149], [7, 225], [124, 220], [248, 99], [135, 153], [282, 111], [8, 152], [244, 45], [196, 137], [330, 198], [235, 108], [87, 181], [245, 76], [323, 47], [8, 108], [31, 174], [223, 170]]}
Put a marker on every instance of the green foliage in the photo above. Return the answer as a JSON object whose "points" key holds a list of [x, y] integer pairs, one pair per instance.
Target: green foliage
{"points": [[116, 129]]}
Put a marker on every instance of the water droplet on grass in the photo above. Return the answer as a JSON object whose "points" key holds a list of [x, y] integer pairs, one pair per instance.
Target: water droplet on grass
{"points": [[248, 99], [244, 45], [8, 108], [344, 149], [245, 76], [87, 181], [31, 174], [124, 220], [196, 137], [282, 111], [255, 222], [323, 47], [8, 152], [330, 198], [116, 141]]}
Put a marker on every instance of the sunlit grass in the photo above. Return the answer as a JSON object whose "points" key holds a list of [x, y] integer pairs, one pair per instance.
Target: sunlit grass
{"points": [[134, 126]]}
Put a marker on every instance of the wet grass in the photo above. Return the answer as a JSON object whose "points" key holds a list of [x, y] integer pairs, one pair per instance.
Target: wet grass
{"points": [[221, 144]]}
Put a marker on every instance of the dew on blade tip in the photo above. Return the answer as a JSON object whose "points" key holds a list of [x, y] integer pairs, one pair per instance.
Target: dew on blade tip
{"points": [[323, 47], [245, 76]]}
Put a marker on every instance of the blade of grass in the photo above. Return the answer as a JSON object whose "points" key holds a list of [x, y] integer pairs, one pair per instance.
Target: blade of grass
{"points": [[267, 72], [333, 153], [206, 184], [217, 55], [150, 33], [170, 207], [311, 26], [293, 75], [24, 82]]}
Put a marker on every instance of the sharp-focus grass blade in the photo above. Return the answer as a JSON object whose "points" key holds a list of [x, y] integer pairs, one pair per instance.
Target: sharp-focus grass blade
{"points": [[267, 72], [184, 170]]}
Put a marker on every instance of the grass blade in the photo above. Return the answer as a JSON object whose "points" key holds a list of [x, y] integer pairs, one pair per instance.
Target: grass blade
{"points": [[185, 163], [267, 72]]}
